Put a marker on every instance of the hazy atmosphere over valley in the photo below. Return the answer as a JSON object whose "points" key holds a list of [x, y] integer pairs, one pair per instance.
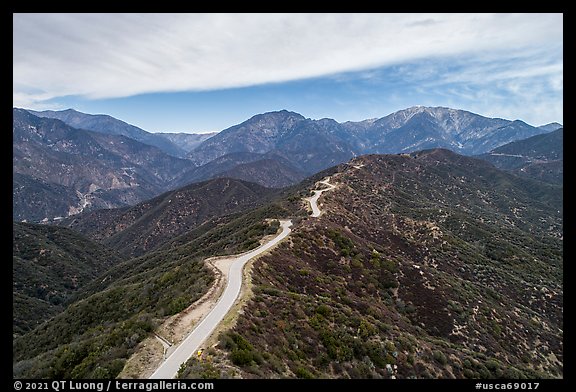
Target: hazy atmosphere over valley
{"points": [[282, 196]]}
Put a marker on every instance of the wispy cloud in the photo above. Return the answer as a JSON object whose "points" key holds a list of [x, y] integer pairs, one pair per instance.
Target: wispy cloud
{"points": [[118, 55]]}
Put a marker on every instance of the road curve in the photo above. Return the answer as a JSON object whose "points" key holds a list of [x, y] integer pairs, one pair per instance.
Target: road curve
{"points": [[169, 368], [314, 199]]}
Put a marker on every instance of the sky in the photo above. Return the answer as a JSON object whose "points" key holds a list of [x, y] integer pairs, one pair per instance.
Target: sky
{"points": [[206, 72]]}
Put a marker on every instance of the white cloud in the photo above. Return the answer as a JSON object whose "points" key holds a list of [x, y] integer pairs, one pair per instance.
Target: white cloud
{"points": [[116, 55], [527, 84]]}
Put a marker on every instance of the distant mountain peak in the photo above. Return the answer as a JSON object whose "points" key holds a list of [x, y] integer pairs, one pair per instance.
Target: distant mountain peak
{"points": [[317, 144], [279, 113], [430, 109], [553, 126], [438, 112], [268, 120], [104, 123], [284, 111]]}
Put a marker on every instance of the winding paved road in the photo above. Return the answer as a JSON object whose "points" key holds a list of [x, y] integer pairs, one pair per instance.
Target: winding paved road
{"points": [[314, 199], [190, 345], [169, 368]]}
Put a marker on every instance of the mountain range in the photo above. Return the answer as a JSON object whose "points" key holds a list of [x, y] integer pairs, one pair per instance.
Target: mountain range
{"points": [[175, 144], [90, 169], [66, 161], [438, 253], [423, 265], [313, 145]]}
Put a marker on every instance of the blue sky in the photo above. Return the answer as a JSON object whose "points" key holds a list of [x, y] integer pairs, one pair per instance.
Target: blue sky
{"points": [[206, 72]]}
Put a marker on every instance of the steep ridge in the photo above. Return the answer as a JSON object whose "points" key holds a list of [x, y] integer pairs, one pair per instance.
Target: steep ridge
{"points": [[109, 125], [269, 170], [36, 200], [49, 265], [428, 265], [146, 226], [540, 157], [266, 172], [103, 171], [551, 127]]}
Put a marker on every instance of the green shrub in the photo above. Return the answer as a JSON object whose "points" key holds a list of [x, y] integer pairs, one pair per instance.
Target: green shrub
{"points": [[440, 357], [302, 372], [324, 310], [389, 265], [177, 305], [241, 357]]}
